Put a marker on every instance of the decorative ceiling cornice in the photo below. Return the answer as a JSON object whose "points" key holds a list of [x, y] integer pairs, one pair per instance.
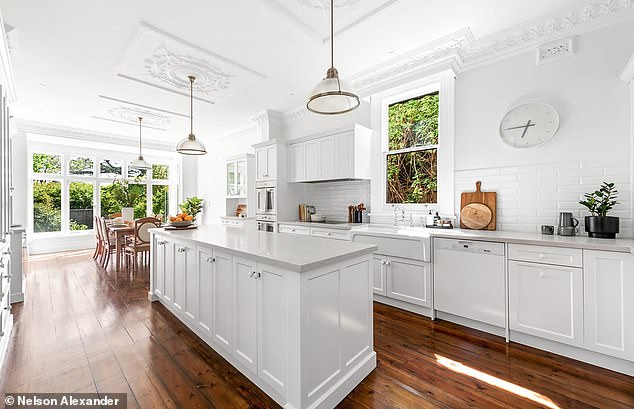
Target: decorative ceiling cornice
{"points": [[462, 52], [46, 129]]}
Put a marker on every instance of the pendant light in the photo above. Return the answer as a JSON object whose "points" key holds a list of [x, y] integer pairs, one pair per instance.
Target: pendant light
{"points": [[189, 145], [140, 163], [332, 96]]}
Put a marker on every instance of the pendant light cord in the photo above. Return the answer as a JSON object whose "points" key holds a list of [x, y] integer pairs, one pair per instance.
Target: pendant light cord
{"points": [[191, 104], [140, 149], [332, 34]]}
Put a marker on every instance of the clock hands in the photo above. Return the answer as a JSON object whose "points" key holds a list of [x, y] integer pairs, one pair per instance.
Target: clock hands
{"points": [[525, 127]]}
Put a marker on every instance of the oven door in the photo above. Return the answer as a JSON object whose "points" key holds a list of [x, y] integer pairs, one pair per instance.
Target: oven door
{"points": [[266, 226], [261, 201]]}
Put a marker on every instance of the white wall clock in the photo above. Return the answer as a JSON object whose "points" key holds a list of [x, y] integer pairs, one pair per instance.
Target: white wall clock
{"points": [[530, 124]]}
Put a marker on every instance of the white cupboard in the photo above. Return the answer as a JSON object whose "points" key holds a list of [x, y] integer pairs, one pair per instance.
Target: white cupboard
{"points": [[245, 320], [407, 280], [266, 163], [546, 301], [343, 154], [222, 300], [206, 263], [608, 280], [378, 274]]}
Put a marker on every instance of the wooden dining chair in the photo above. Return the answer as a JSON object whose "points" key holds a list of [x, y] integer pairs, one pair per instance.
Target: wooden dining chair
{"points": [[140, 241], [97, 238], [108, 244], [113, 215]]}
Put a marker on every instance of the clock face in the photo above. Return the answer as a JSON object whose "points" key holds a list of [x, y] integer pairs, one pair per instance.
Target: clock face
{"points": [[529, 125]]}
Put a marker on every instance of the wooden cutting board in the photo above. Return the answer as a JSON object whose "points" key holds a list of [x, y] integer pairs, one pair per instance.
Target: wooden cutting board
{"points": [[486, 198], [476, 216]]}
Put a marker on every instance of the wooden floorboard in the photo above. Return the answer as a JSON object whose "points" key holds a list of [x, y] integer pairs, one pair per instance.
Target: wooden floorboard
{"points": [[86, 329]]}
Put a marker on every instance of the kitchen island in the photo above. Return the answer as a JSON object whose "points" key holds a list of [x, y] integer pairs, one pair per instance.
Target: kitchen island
{"points": [[293, 314]]}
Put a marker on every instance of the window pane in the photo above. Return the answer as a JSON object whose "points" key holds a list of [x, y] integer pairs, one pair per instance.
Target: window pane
{"points": [[110, 168], [47, 206], [81, 166], [139, 194], [45, 163], [412, 177], [108, 203], [160, 200], [80, 195], [413, 123], [160, 172], [136, 173]]}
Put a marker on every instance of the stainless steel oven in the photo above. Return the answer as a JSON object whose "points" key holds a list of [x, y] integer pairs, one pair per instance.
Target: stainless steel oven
{"points": [[267, 226], [265, 198]]}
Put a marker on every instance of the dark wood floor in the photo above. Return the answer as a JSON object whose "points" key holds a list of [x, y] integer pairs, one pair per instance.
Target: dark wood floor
{"points": [[83, 329]]}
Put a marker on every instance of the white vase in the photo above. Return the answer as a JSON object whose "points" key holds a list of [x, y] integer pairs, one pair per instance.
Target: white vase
{"points": [[127, 213]]}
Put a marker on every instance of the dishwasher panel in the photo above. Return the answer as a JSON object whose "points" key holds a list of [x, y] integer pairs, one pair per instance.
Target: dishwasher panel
{"points": [[469, 280]]}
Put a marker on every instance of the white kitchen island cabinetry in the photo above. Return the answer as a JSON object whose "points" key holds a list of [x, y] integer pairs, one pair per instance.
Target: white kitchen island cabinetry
{"points": [[293, 314]]}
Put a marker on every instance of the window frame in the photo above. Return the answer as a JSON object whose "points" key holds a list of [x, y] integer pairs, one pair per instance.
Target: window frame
{"points": [[443, 83], [67, 153]]}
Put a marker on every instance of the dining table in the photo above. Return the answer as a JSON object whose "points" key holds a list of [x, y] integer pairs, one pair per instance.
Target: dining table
{"points": [[120, 232]]}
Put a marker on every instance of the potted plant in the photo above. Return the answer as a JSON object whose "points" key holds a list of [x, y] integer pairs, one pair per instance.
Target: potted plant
{"points": [[126, 196], [192, 206], [600, 202]]}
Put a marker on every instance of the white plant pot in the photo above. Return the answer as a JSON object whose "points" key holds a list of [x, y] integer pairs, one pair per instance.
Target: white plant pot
{"points": [[127, 213]]}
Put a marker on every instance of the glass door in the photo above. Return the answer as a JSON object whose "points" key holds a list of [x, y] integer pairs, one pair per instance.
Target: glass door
{"points": [[231, 179], [241, 178]]}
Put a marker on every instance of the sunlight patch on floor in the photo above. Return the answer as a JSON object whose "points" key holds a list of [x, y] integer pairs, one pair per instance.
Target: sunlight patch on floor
{"points": [[497, 382]]}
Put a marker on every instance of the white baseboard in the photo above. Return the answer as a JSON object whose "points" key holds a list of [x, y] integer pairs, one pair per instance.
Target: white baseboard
{"points": [[53, 244], [416, 309]]}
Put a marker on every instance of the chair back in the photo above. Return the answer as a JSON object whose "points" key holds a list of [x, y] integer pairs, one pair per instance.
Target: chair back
{"points": [[103, 230], [141, 227], [113, 215]]}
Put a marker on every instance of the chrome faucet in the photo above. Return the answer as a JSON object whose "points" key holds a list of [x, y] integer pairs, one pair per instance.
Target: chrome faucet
{"points": [[396, 218]]}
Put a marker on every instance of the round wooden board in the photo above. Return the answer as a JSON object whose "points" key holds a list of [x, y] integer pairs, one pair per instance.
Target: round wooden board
{"points": [[476, 216]]}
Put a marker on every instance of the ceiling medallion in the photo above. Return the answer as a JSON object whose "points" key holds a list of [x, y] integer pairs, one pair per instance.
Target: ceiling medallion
{"points": [[128, 114], [324, 4], [174, 69]]}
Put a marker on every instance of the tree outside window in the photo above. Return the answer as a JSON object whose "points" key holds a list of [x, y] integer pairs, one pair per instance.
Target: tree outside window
{"points": [[411, 159], [80, 196], [47, 206], [48, 164]]}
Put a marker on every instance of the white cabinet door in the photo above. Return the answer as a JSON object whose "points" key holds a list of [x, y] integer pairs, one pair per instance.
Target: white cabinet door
{"points": [[313, 159], [260, 163], [378, 274], [271, 162], [608, 282], [180, 266], [343, 155], [326, 158], [408, 280], [245, 318], [546, 301], [272, 327], [205, 290], [222, 300], [168, 257], [296, 162], [191, 285], [158, 267]]}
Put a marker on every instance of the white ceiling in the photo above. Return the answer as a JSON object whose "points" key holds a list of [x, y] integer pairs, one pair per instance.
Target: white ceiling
{"points": [[98, 64]]}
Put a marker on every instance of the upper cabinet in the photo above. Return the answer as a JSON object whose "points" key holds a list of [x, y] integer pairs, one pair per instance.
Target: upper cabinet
{"points": [[237, 176], [266, 163], [342, 154]]}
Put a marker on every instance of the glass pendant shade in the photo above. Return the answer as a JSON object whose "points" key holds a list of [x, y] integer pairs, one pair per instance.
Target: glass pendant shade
{"points": [[332, 96], [140, 163], [190, 145]]}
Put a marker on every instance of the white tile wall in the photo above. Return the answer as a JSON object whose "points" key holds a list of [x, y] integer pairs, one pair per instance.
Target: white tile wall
{"points": [[531, 195], [333, 198]]}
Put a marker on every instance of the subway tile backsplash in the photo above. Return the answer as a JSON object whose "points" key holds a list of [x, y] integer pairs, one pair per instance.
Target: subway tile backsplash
{"points": [[333, 198], [531, 195]]}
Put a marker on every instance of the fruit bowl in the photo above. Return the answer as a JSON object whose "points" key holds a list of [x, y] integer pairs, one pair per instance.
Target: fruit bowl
{"points": [[181, 220], [186, 223]]}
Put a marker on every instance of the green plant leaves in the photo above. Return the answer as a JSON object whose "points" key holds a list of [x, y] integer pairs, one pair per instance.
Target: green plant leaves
{"points": [[601, 201]]}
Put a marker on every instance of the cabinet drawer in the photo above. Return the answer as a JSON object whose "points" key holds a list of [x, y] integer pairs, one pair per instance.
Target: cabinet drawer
{"points": [[232, 223], [406, 248], [548, 255], [291, 229], [331, 234]]}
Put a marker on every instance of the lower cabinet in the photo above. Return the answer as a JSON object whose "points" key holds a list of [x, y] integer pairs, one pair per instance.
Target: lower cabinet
{"points": [[222, 301], [608, 280], [206, 265], [546, 301], [402, 279], [245, 307]]}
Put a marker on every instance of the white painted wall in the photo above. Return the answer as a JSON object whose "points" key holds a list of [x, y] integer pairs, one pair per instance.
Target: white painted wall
{"points": [[311, 123], [20, 178], [592, 103]]}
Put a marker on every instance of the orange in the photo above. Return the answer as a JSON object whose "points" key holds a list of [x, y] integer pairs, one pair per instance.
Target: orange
{"points": [[188, 218], [179, 219]]}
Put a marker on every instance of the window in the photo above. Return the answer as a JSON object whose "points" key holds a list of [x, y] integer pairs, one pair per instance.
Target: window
{"points": [[69, 189], [47, 206], [81, 205], [411, 158]]}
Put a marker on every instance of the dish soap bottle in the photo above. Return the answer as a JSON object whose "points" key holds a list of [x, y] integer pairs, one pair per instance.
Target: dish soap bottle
{"points": [[436, 220], [429, 221]]}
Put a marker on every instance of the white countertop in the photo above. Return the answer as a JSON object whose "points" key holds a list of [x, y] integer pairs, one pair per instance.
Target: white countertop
{"points": [[624, 245], [327, 225], [295, 253]]}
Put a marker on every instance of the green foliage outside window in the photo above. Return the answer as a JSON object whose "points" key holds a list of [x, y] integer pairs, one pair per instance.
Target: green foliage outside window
{"points": [[412, 176], [47, 206], [160, 172], [45, 163], [81, 166], [160, 200], [81, 205]]}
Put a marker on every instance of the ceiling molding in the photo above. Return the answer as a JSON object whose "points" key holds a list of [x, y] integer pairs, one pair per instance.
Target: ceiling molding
{"points": [[135, 124], [128, 102], [462, 52], [295, 115], [46, 129]]}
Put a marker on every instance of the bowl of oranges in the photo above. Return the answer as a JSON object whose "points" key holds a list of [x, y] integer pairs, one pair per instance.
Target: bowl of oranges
{"points": [[181, 220]]}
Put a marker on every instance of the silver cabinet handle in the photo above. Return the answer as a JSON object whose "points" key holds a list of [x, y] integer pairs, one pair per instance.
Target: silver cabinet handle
{"points": [[1, 296], [6, 253], [382, 262], [1, 334], [251, 274], [256, 275], [7, 276], [330, 234], [388, 263]]}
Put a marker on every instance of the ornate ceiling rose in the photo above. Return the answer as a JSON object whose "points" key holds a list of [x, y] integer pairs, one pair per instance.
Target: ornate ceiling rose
{"points": [[324, 4], [131, 114]]}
